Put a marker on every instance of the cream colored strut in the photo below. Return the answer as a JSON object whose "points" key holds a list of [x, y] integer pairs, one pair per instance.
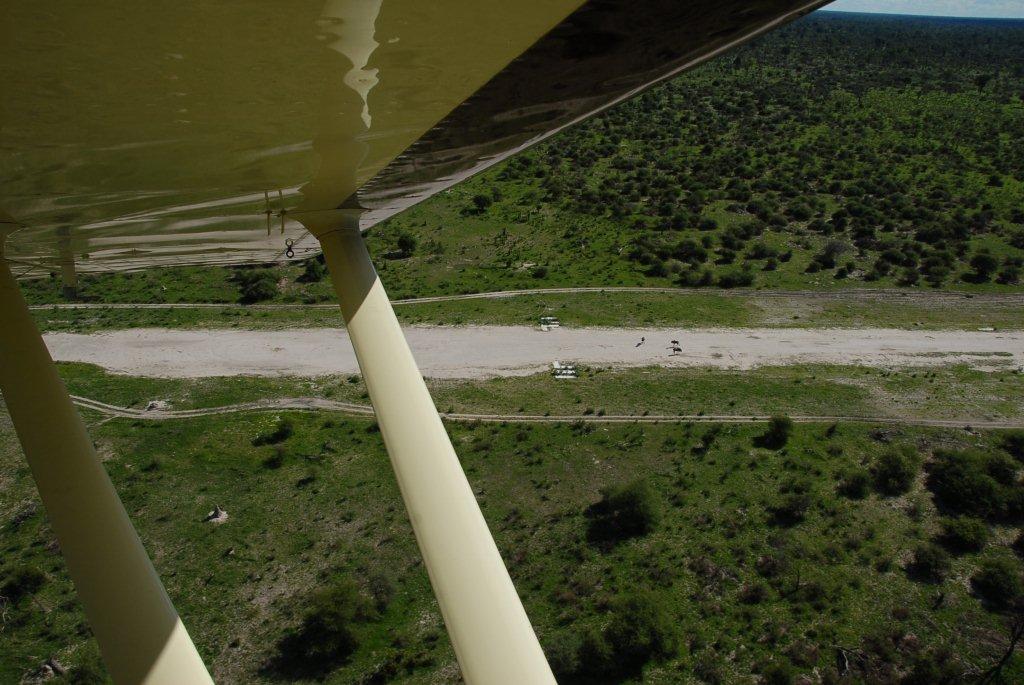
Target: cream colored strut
{"points": [[489, 629], [139, 633]]}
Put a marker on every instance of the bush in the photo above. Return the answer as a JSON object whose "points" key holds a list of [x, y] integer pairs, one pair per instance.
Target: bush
{"points": [[1002, 468], [282, 431], [22, 582], [480, 204], [624, 512], [640, 630], [854, 484], [255, 285], [742, 278], [962, 484], [327, 635], [406, 244], [708, 667], [964, 534], [984, 265], [777, 673], [777, 435], [562, 650], [998, 581], [314, 271], [695, 278], [1013, 443], [935, 667], [929, 563], [791, 509], [894, 470], [595, 654]]}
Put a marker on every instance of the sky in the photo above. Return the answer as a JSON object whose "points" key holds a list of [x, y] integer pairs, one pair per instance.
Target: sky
{"points": [[941, 8]]}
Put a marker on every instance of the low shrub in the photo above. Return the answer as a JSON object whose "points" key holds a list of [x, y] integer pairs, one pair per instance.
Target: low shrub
{"points": [[314, 270], [929, 563], [562, 650], [639, 630], [406, 244], [777, 672], [742, 278], [22, 582], [255, 285], [276, 460], [964, 534], [894, 470], [998, 581], [935, 667], [854, 484], [791, 508]]}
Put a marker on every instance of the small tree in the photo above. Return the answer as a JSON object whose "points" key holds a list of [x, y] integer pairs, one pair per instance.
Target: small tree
{"points": [[984, 265], [406, 244], [624, 512], [777, 435], [314, 270], [640, 629]]}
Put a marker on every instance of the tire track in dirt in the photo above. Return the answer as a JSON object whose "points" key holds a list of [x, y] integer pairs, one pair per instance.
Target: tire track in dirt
{"points": [[320, 404]]}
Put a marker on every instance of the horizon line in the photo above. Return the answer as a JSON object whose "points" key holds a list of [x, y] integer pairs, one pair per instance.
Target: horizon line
{"points": [[831, 10]]}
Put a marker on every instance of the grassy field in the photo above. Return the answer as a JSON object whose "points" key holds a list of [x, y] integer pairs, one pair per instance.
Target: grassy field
{"points": [[739, 591], [936, 393], [689, 310]]}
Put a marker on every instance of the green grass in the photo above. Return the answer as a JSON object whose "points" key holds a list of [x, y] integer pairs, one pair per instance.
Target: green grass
{"points": [[937, 393], [331, 507], [587, 309], [135, 392]]}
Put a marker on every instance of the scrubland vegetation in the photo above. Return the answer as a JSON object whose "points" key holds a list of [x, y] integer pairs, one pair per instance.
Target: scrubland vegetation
{"points": [[841, 151], [668, 553]]}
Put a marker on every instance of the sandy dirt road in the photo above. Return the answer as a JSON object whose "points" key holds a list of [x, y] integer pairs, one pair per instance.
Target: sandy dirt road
{"points": [[322, 404], [489, 351]]}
